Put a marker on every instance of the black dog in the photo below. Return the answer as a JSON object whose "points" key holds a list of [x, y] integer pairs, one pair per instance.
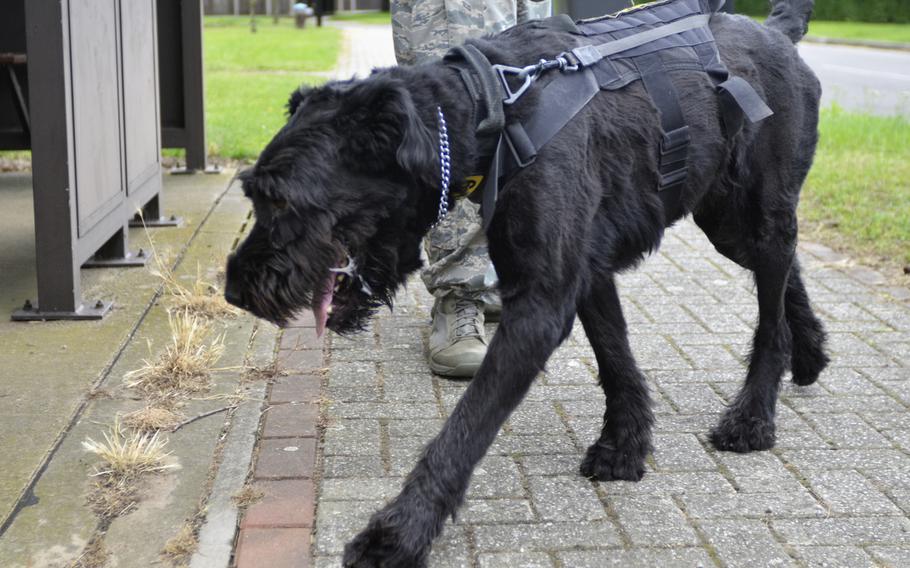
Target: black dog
{"points": [[347, 189]]}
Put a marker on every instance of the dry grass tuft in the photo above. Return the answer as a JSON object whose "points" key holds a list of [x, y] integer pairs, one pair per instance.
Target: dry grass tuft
{"points": [[184, 366], [181, 547], [94, 555], [247, 496], [202, 298], [128, 454], [151, 419], [268, 372], [112, 497], [124, 458]]}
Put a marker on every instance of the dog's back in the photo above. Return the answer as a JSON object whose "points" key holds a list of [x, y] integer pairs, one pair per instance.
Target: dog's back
{"points": [[622, 130]]}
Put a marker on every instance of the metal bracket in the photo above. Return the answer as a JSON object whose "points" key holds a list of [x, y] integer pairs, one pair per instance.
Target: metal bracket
{"points": [[125, 261], [93, 311], [172, 221], [211, 170]]}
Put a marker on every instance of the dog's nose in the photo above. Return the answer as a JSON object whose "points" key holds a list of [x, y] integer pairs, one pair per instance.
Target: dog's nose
{"points": [[232, 292], [233, 297]]}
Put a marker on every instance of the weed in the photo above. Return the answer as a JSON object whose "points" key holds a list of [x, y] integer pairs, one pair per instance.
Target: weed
{"points": [[125, 457], [247, 496], [181, 547], [185, 364], [152, 418]]}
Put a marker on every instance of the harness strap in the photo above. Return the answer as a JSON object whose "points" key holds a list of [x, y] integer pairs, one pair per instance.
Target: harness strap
{"points": [[488, 90], [738, 99], [558, 103], [588, 55], [674, 143]]}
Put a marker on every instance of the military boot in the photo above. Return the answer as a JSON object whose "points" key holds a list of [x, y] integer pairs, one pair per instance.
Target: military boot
{"points": [[457, 342]]}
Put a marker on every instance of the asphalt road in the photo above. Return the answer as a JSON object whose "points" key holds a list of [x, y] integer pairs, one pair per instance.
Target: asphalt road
{"points": [[865, 79]]}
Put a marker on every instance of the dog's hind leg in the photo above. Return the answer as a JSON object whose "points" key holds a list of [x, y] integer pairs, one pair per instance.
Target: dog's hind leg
{"points": [[766, 243], [625, 438], [400, 534], [808, 358]]}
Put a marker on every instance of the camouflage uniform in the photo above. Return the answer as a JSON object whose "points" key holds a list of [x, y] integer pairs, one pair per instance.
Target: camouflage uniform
{"points": [[424, 30]]}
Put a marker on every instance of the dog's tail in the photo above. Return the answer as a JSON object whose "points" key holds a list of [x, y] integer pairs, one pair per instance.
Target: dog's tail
{"points": [[791, 17]]}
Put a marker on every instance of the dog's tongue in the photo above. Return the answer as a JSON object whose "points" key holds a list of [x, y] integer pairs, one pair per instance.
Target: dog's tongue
{"points": [[322, 310]]}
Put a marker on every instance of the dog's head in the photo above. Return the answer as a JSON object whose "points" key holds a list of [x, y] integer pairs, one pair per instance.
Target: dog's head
{"points": [[342, 196]]}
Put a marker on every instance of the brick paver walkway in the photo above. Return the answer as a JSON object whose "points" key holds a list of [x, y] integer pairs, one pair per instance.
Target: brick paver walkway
{"points": [[834, 492]]}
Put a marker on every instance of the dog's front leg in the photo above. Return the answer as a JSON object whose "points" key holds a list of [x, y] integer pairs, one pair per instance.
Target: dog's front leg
{"points": [[401, 533]]}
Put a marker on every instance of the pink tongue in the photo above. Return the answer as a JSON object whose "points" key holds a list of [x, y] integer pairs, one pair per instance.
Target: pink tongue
{"points": [[322, 310]]}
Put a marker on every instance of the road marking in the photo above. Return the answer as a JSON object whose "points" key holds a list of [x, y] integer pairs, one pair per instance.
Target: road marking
{"points": [[867, 72]]}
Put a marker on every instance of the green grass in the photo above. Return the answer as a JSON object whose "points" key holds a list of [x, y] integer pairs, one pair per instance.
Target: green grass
{"points": [[249, 77], [365, 18], [899, 33], [244, 111], [858, 193], [230, 46], [896, 33]]}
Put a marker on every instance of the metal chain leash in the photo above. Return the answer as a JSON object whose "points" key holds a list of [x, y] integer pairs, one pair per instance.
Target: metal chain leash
{"points": [[444, 167]]}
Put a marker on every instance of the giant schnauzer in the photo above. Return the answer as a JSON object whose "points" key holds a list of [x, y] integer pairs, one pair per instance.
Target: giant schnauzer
{"points": [[347, 189]]}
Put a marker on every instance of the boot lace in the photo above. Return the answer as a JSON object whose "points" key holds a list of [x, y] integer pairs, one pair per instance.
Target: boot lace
{"points": [[467, 319]]}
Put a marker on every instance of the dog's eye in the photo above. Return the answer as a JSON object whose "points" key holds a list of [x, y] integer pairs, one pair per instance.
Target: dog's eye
{"points": [[280, 204]]}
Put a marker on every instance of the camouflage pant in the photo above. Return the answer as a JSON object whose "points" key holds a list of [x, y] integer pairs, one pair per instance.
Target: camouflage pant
{"points": [[424, 30]]}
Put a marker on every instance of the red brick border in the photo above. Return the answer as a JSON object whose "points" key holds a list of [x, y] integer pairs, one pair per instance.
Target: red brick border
{"points": [[277, 530]]}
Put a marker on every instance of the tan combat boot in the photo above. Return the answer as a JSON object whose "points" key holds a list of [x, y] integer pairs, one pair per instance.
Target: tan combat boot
{"points": [[457, 342]]}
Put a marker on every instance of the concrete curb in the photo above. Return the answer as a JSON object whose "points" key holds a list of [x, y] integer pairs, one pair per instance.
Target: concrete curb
{"points": [[216, 537], [859, 43]]}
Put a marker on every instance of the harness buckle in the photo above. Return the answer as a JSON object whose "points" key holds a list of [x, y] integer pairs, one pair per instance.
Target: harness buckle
{"points": [[568, 62]]}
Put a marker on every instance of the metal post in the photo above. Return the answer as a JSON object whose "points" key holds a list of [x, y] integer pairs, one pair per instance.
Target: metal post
{"points": [[194, 84], [56, 233]]}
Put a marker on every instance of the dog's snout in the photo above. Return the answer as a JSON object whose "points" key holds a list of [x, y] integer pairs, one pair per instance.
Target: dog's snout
{"points": [[233, 297], [232, 293]]}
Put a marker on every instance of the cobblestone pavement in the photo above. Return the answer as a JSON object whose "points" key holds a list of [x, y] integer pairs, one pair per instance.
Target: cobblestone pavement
{"points": [[834, 492]]}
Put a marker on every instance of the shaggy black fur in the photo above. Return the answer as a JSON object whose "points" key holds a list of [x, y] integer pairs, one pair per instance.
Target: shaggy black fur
{"points": [[354, 172]]}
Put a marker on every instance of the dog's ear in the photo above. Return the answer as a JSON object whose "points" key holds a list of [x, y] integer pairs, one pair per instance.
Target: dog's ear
{"points": [[381, 123], [297, 98]]}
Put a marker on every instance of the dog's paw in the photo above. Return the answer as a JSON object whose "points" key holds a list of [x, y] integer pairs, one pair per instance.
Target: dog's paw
{"points": [[808, 358], [384, 543], [807, 363], [604, 463], [737, 432]]}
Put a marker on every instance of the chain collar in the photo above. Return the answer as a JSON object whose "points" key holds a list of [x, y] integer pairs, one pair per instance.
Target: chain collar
{"points": [[444, 167]]}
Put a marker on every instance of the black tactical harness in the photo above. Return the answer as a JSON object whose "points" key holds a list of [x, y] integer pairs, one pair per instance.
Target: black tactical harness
{"points": [[642, 43]]}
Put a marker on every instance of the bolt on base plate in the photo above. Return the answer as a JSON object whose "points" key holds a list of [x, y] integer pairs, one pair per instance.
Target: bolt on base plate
{"points": [[87, 311]]}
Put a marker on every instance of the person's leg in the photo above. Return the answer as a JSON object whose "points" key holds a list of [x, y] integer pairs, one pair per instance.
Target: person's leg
{"points": [[461, 277], [458, 262], [460, 273]]}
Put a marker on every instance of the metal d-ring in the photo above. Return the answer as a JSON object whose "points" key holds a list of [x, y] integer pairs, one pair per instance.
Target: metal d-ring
{"points": [[529, 74]]}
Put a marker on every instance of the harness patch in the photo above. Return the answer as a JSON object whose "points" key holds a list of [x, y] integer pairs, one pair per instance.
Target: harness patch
{"points": [[471, 184]]}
